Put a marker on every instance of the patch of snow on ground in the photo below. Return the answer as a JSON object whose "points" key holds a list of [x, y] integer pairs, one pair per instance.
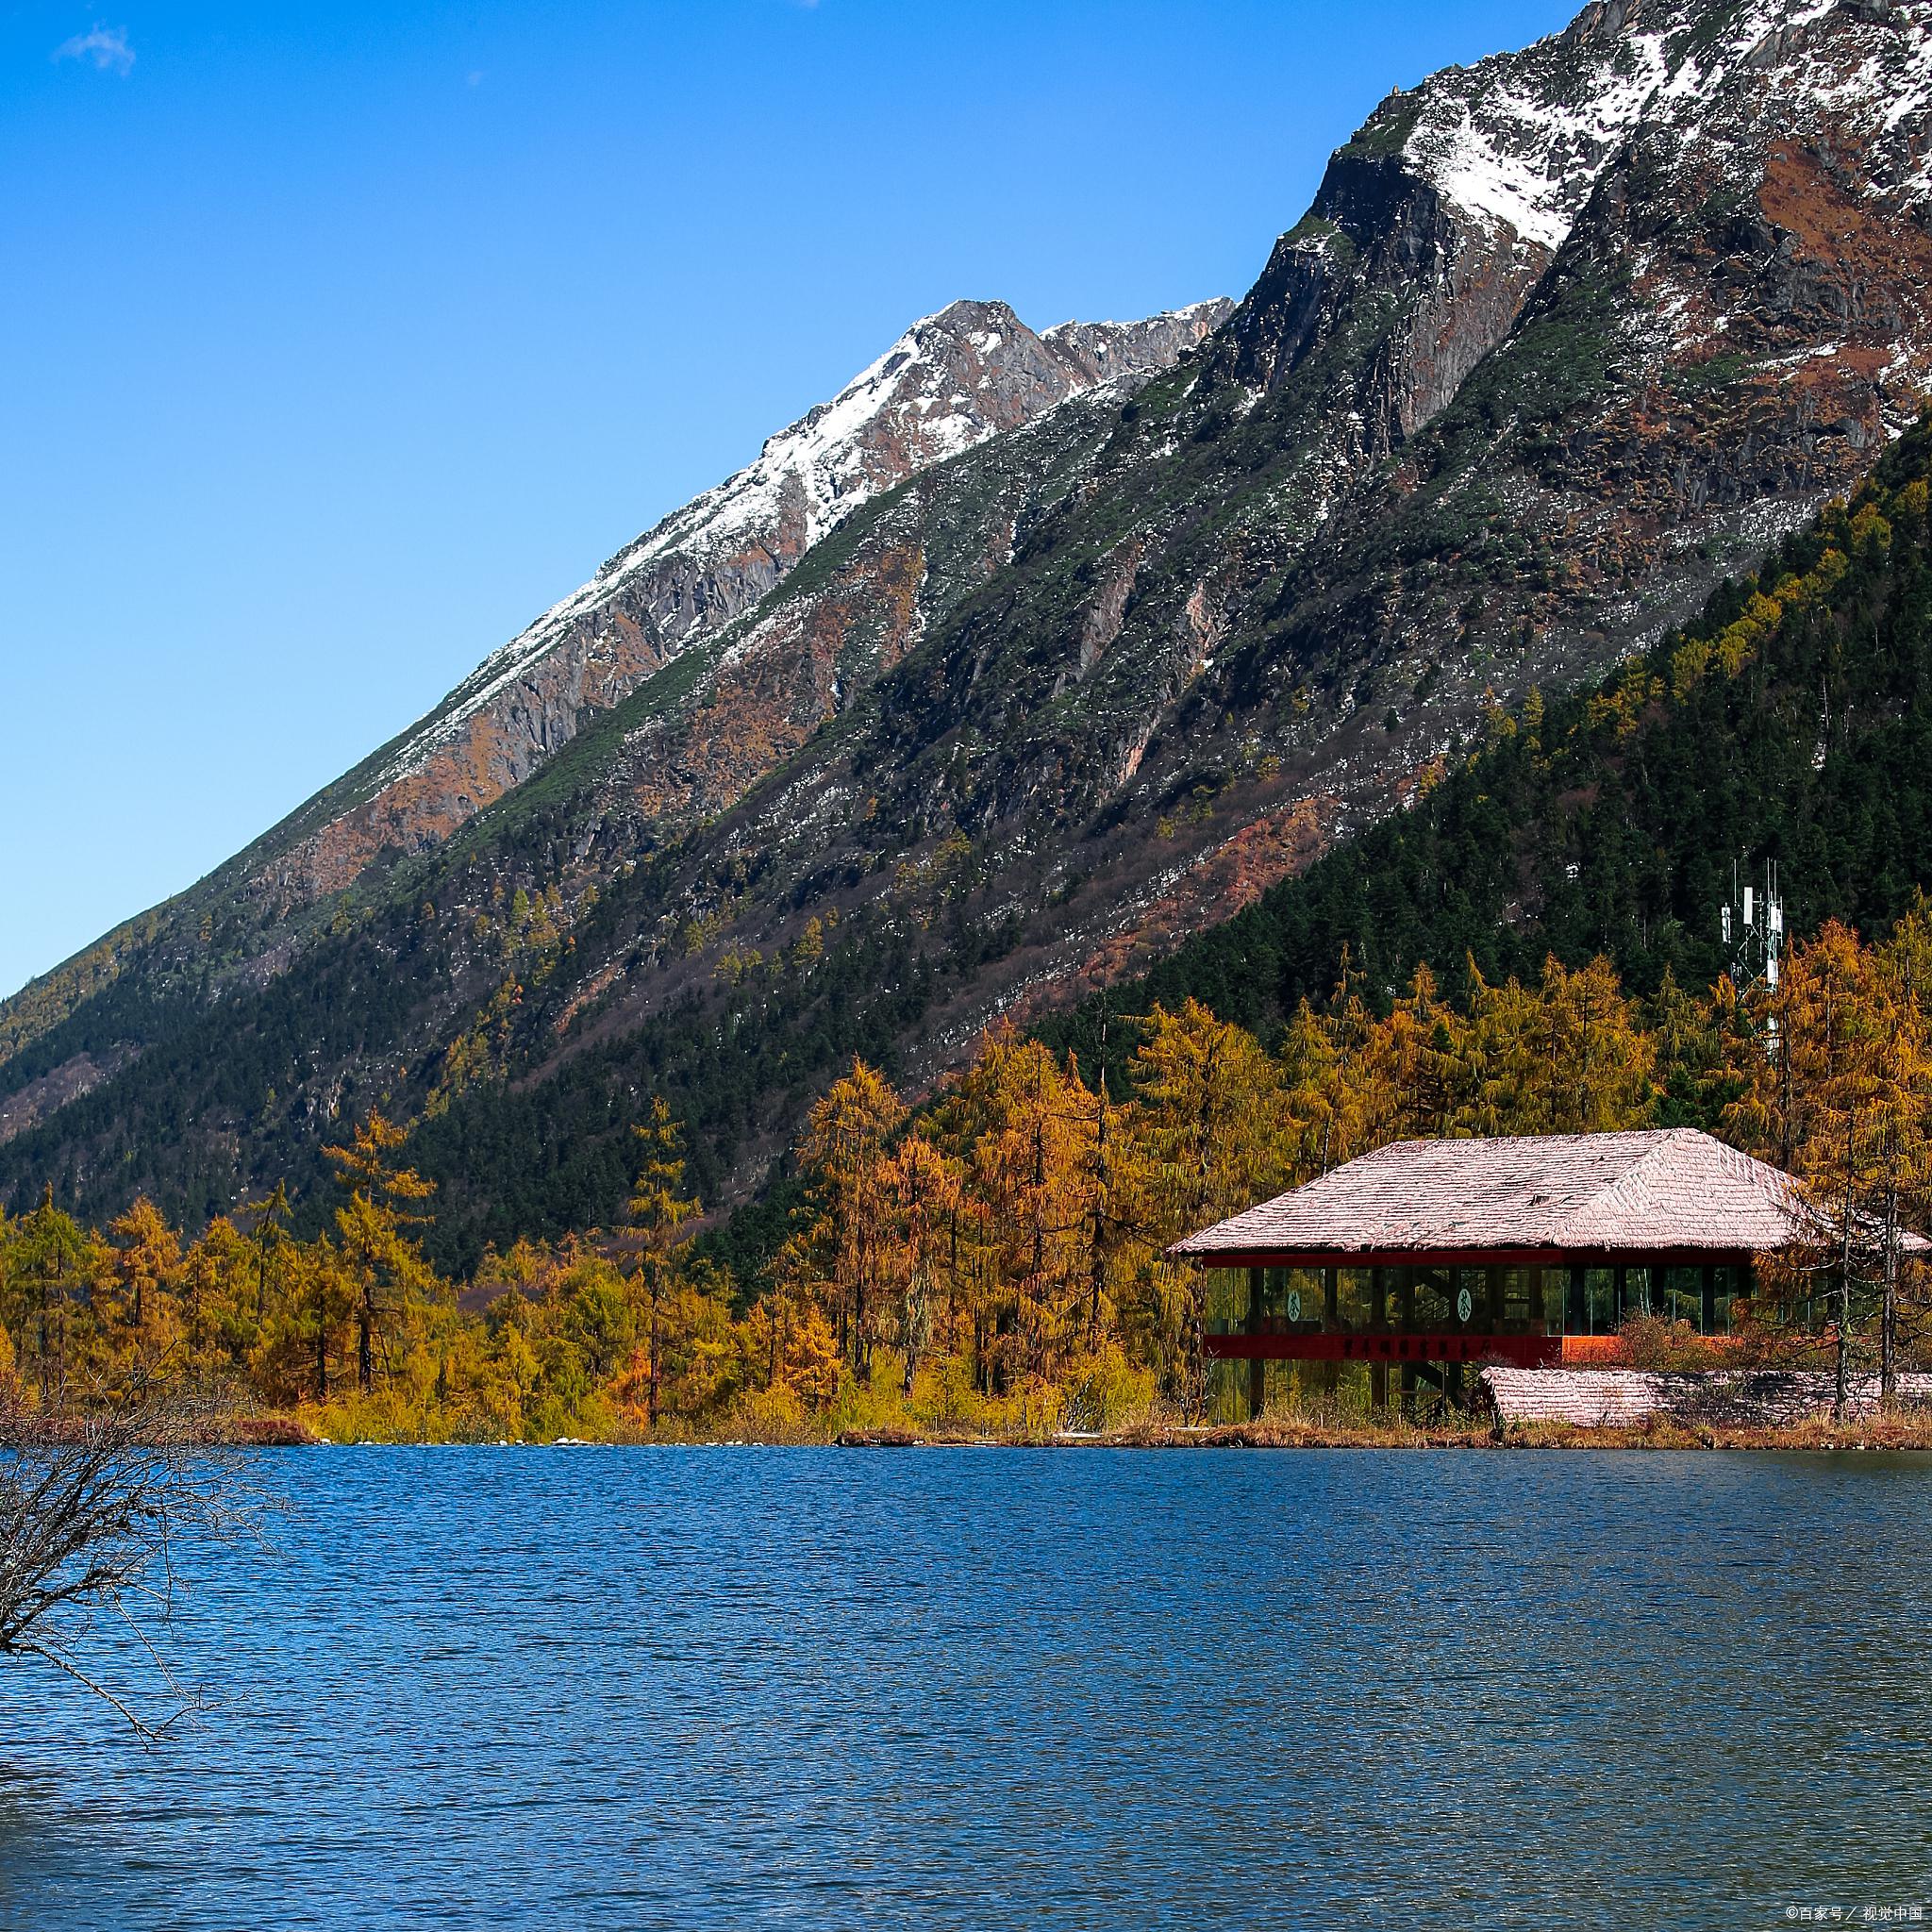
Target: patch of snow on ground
{"points": [[1517, 155]]}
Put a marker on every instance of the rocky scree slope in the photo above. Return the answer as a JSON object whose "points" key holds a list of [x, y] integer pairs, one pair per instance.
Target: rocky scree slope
{"points": [[1564, 336], [1791, 721]]}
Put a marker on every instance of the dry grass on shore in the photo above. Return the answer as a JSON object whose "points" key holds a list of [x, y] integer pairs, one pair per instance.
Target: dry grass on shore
{"points": [[1899, 1430], [1318, 1427]]}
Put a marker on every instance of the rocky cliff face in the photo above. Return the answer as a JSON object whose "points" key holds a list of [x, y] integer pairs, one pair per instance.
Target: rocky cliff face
{"points": [[1563, 335], [1448, 205], [952, 380], [869, 745]]}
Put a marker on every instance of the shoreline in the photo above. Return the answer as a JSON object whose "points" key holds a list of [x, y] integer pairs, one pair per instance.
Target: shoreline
{"points": [[1888, 1435], [1885, 1435]]}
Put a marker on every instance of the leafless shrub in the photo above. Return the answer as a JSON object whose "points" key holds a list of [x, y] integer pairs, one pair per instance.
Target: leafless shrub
{"points": [[94, 1507]]}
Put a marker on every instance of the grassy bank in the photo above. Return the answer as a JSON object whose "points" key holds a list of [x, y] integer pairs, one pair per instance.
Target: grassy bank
{"points": [[1906, 1428], [1902, 1430]]}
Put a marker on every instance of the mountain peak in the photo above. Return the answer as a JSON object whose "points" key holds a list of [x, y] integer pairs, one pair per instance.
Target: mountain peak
{"points": [[969, 371], [1567, 335]]}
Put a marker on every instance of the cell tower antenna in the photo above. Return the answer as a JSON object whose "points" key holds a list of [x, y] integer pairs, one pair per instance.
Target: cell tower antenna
{"points": [[1752, 925]]}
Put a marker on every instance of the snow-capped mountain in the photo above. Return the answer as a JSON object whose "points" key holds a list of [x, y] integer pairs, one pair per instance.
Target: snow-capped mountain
{"points": [[1097, 641], [1457, 196], [952, 380]]}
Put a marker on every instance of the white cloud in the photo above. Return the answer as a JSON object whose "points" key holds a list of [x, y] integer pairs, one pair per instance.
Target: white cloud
{"points": [[106, 46]]}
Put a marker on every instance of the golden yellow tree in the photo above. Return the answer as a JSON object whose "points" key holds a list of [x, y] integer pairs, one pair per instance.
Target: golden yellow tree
{"points": [[1211, 1112], [922, 1201], [146, 1252], [380, 1253], [1315, 1096], [786, 1347], [1570, 1057], [1028, 1130], [848, 1136], [1835, 1082], [1399, 1076], [1905, 966], [655, 1249], [1216, 1136], [217, 1292], [269, 1235], [52, 1262]]}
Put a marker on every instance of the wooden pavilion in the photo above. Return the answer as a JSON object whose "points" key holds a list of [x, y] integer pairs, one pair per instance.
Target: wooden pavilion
{"points": [[1427, 1254]]}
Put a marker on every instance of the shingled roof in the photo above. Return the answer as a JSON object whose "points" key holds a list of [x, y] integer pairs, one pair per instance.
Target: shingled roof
{"points": [[1670, 1191]]}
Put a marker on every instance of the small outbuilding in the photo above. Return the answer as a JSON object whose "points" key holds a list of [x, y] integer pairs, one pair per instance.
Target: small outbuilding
{"points": [[1427, 1254]]}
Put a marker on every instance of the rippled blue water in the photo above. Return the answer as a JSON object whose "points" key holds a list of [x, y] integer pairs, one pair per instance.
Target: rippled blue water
{"points": [[989, 1689]]}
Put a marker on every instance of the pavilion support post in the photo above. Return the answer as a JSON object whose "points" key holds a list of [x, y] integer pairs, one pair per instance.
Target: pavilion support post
{"points": [[1404, 1320], [1706, 1312], [1379, 1322], [1494, 1288], [1576, 1310], [1257, 1369], [1619, 1290], [1331, 1321]]}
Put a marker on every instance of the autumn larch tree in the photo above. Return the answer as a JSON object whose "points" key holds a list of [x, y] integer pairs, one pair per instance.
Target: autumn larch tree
{"points": [[378, 1248], [656, 1243]]}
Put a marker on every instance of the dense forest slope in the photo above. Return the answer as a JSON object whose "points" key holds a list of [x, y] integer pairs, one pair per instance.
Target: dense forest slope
{"points": [[1566, 337], [1792, 720]]}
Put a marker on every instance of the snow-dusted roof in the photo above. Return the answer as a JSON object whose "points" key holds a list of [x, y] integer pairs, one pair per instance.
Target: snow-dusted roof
{"points": [[1668, 1190]]}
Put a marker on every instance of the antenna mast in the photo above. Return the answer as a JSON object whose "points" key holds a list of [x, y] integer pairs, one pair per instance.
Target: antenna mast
{"points": [[1751, 924]]}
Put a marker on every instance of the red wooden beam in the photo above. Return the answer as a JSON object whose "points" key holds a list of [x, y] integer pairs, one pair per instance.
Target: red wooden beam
{"points": [[1521, 1351]]}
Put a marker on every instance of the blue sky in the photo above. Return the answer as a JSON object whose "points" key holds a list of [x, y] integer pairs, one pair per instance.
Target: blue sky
{"points": [[339, 342]]}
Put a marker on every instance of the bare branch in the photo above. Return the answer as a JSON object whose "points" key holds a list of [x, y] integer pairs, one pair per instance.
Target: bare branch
{"points": [[93, 1504]]}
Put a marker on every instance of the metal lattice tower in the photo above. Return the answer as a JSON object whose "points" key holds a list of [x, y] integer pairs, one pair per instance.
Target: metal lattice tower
{"points": [[1753, 927]]}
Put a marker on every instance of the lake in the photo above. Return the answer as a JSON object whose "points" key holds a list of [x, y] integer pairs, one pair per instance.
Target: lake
{"points": [[988, 1688]]}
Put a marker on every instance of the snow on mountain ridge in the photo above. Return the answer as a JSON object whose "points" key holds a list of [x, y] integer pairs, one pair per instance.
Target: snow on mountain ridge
{"points": [[1519, 140], [1536, 184], [1505, 155], [968, 372]]}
